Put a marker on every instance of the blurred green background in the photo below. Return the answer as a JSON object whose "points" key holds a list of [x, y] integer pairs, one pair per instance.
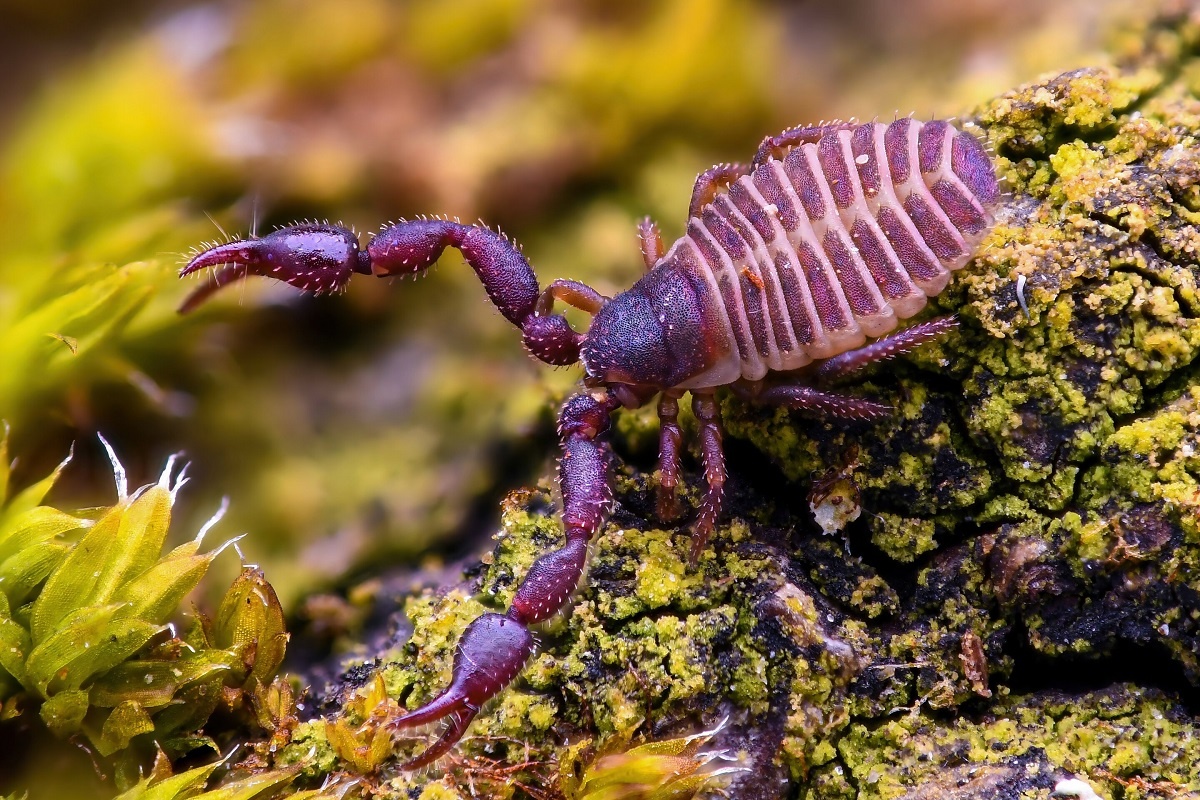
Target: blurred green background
{"points": [[383, 425]]}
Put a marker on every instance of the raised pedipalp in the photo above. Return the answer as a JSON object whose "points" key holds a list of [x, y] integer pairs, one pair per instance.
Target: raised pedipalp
{"points": [[491, 651]]}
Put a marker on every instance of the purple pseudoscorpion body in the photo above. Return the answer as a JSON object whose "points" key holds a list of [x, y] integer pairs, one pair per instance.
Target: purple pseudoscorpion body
{"points": [[829, 237]]}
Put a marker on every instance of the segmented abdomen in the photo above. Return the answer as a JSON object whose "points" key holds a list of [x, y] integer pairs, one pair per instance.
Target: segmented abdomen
{"points": [[811, 254]]}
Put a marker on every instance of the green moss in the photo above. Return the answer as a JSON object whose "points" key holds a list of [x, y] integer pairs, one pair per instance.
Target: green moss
{"points": [[86, 603], [1154, 460], [661, 575], [873, 597], [1077, 167]]}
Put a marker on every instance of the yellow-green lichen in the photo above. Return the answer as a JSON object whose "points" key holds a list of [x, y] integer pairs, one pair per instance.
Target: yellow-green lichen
{"points": [[1105, 736]]}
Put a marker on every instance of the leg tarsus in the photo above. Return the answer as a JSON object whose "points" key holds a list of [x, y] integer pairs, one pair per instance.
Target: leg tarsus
{"points": [[704, 405], [832, 404], [712, 181], [651, 242], [890, 346]]}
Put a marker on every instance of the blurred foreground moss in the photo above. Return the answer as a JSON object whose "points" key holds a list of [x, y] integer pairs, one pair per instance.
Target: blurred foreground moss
{"points": [[86, 600], [190, 784], [88, 196]]}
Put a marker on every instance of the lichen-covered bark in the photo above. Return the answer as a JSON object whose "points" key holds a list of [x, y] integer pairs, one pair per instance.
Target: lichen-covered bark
{"points": [[1019, 603]]}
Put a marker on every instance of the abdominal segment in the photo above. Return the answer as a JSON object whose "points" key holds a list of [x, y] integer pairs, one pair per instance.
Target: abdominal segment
{"points": [[809, 255]]}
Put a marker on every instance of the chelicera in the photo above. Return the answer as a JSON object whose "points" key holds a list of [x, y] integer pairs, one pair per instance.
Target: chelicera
{"points": [[789, 264]]}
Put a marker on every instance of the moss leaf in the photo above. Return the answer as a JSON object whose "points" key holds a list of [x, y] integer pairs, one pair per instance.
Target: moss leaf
{"points": [[23, 571], [120, 639], [64, 713], [126, 721], [72, 584], [250, 616], [253, 786], [156, 593], [90, 639], [139, 543], [176, 787], [14, 643], [33, 526], [156, 683], [32, 496]]}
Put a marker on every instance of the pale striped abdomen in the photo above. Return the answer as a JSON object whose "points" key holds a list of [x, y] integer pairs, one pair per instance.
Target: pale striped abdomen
{"points": [[810, 255]]}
